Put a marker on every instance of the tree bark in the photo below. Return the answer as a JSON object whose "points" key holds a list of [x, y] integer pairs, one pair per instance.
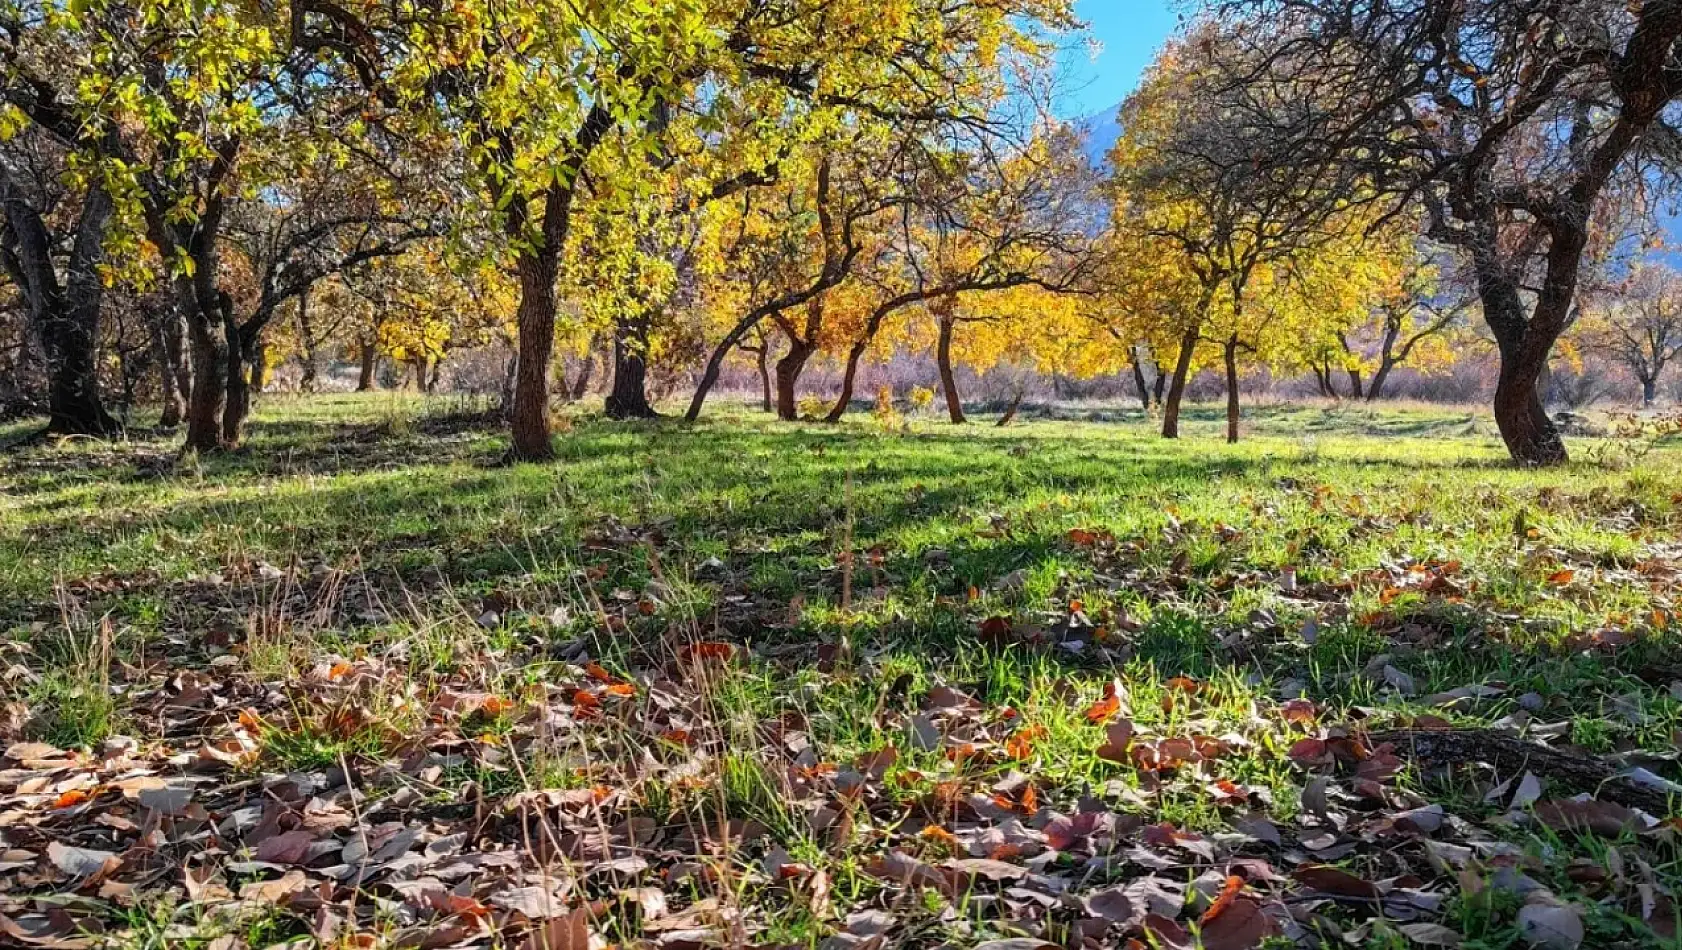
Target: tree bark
{"points": [[789, 368], [761, 359], [948, 379], [529, 420], [1649, 391], [629, 396], [369, 354], [1177, 387], [1523, 344], [175, 371], [1380, 377], [66, 317], [1229, 354], [306, 340], [236, 403], [259, 367], [849, 379], [210, 380], [586, 368], [1139, 379]]}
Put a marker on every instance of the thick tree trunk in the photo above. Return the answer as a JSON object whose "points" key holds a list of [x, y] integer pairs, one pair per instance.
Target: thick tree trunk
{"points": [[1159, 386], [949, 379], [529, 420], [369, 355], [210, 380], [1229, 354], [1649, 391], [1177, 387], [1139, 379], [66, 317], [1355, 390], [1524, 345], [789, 368], [629, 397]]}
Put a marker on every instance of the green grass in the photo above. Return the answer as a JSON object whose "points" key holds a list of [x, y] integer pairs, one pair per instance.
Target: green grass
{"points": [[384, 526]]}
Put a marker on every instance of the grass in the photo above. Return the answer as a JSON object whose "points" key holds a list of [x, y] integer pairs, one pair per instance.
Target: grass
{"points": [[864, 568]]}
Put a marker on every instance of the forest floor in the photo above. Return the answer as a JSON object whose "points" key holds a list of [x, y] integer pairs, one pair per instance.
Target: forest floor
{"points": [[1354, 681]]}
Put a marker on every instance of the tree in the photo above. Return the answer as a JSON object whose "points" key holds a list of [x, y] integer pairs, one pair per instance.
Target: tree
{"points": [[1513, 123], [1192, 172], [1641, 327], [54, 223], [978, 220]]}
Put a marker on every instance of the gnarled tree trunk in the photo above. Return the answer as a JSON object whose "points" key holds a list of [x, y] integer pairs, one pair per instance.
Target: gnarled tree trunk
{"points": [[789, 368], [66, 316], [629, 396]]}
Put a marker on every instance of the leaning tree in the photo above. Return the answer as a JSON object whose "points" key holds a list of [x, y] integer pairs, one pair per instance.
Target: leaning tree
{"points": [[1513, 124]]}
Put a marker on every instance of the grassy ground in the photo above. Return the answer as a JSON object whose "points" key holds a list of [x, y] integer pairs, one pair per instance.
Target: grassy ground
{"points": [[785, 675]]}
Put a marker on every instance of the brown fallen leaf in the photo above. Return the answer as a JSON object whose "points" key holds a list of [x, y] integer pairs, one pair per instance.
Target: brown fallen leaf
{"points": [[1118, 735], [1337, 881], [1241, 925], [1608, 819], [568, 932]]}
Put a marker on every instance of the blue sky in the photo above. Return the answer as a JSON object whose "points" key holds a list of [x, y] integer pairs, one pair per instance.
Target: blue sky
{"points": [[1129, 31]]}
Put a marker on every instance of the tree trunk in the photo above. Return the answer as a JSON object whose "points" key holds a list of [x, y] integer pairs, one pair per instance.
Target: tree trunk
{"points": [[849, 378], [1649, 391], [761, 358], [1139, 379], [236, 405], [259, 367], [629, 397], [1010, 410], [1177, 388], [1524, 345], [306, 340], [581, 384], [788, 378], [210, 380], [369, 354], [66, 316], [1229, 353], [1355, 391], [510, 369], [175, 372], [949, 379], [529, 421], [1381, 376]]}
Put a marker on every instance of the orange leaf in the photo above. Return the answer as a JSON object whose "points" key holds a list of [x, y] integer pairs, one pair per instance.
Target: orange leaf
{"points": [[496, 705], [1561, 578], [75, 796], [709, 650], [598, 673], [1105, 709], [338, 670], [621, 689], [585, 699], [1229, 893]]}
